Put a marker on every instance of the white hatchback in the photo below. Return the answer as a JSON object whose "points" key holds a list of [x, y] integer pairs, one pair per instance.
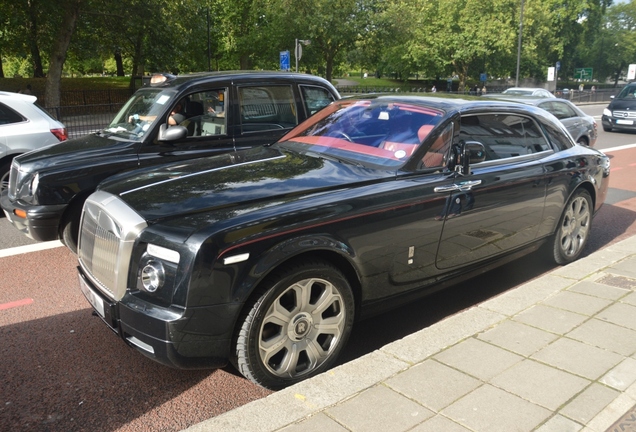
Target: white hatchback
{"points": [[24, 126]]}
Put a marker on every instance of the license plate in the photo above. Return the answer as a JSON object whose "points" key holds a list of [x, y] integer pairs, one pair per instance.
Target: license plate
{"points": [[625, 122], [92, 297]]}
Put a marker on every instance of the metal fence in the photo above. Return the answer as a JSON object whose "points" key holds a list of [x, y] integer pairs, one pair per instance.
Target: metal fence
{"points": [[87, 111], [83, 120]]}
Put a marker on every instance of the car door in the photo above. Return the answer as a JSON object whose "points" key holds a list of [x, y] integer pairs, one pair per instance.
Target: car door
{"points": [[499, 206], [204, 115], [264, 113], [407, 244]]}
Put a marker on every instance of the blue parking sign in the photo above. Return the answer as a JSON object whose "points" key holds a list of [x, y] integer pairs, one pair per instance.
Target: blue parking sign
{"points": [[284, 60]]}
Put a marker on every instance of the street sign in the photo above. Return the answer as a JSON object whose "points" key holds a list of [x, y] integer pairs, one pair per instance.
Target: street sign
{"points": [[631, 72], [583, 73], [284, 60], [558, 66], [551, 74]]}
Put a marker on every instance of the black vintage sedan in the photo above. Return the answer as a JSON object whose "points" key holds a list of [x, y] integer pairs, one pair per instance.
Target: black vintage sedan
{"points": [[173, 118], [266, 257]]}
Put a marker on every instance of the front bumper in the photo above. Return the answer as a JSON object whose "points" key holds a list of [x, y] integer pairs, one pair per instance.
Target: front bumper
{"points": [[618, 123], [41, 222], [191, 338]]}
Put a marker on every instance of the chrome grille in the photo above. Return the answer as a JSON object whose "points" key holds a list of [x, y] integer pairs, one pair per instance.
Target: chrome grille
{"points": [[625, 114], [107, 234]]}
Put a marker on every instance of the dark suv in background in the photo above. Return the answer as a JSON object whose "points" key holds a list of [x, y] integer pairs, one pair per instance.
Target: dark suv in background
{"points": [[173, 118], [620, 114]]}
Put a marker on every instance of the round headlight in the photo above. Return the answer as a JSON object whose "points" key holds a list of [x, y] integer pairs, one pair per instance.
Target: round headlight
{"points": [[34, 184], [152, 276]]}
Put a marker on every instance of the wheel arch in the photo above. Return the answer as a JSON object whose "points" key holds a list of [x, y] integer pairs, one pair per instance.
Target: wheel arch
{"points": [[73, 209], [321, 248], [589, 187]]}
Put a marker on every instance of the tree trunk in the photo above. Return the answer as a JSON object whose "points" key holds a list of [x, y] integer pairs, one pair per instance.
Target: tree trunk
{"points": [[245, 63], [120, 64], [36, 59], [58, 54], [1, 68], [136, 60]]}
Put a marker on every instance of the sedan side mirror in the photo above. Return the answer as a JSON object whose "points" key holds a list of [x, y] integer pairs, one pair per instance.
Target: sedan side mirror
{"points": [[469, 152], [173, 133]]}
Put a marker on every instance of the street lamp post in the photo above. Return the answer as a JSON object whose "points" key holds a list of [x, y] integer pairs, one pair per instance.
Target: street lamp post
{"points": [[298, 50], [519, 44]]}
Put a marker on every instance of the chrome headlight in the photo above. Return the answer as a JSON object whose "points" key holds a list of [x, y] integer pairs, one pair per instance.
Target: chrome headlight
{"points": [[157, 270], [607, 112], [153, 276]]}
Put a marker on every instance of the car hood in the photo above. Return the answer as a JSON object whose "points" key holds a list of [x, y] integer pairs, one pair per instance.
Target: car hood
{"points": [[623, 104], [73, 152], [252, 178]]}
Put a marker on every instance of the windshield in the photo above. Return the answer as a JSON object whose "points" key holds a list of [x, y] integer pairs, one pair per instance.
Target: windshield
{"points": [[628, 92], [518, 92], [370, 133], [136, 116]]}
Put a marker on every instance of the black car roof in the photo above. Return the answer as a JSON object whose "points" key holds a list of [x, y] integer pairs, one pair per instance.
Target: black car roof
{"points": [[200, 77], [449, 104]]}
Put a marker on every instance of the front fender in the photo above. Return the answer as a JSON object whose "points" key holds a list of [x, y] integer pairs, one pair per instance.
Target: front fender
{"points": [[323, 245]]}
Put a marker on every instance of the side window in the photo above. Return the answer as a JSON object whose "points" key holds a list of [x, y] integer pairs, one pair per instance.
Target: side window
{"points": [[315, 98], [204, 113], [504, 135], [557, 137], [559, 110], [267, 108], [8, 116]]}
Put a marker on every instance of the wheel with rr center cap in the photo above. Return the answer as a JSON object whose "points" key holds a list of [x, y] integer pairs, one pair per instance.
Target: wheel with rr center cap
{"points": [[574, 228], [295, 326]]}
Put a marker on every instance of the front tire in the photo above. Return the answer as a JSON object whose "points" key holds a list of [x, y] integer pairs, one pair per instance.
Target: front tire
{"points": [[69, 227], [574, 228], [295, 326]]}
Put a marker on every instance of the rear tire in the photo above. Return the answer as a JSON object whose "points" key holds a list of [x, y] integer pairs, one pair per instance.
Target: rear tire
{"points": [[574, 228], [295, 326], [583, 142]]}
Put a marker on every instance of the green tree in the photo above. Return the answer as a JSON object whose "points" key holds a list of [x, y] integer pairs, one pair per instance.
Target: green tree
{"points": [[615, 47], [334, 28]]}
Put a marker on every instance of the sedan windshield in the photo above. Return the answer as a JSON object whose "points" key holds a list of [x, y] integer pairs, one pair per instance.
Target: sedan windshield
{"points": [[628, 92], [136, 116], [371, 133]]}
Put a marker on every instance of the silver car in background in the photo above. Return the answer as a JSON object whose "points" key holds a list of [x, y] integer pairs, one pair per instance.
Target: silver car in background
{"points": [[525, 91], [24, 126], [581, 126]]}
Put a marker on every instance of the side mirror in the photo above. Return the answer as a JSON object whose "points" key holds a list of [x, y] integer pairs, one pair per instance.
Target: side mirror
{"points": [[465, 154], [612, 97], [173, 133]]}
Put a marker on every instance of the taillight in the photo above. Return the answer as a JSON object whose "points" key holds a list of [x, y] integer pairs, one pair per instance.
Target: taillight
{"points": [[60, 134]]}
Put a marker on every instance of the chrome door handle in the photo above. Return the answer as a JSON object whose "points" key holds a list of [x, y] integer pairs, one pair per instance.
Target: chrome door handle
{"points": [[462, 187]]}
